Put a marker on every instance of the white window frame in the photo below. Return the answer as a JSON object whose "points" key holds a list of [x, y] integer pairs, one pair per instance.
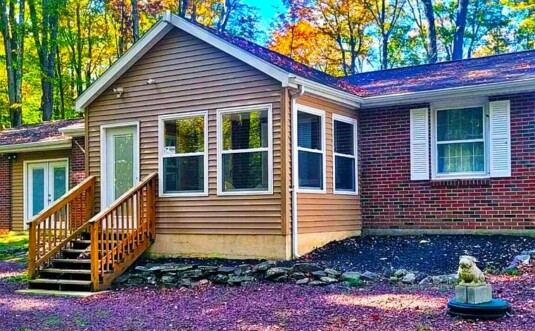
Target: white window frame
{"points": [[353, 122], [321, 114], [161, 155], [434, 149], [220, 151]]}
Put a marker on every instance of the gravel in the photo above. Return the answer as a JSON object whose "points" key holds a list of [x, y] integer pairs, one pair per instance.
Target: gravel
{"points": [[431, 254]]}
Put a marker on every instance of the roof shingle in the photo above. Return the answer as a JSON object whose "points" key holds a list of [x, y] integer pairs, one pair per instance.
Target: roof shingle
{"points": [[47, 131]]}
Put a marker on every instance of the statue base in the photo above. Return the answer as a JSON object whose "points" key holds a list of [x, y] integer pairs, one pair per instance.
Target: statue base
{"points": [[473, 294], [492, 309]]}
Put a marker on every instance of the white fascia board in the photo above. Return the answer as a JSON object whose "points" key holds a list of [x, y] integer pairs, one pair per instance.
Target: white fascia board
{"points": [[140, 48], [37, 146], [75, 132], [269, 69], [516, 86], [329, 93]]}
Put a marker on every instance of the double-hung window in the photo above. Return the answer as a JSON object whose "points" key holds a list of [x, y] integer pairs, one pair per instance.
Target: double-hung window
{"points": [[245, 151], [460, 142], [183, 150], [345, 155], [311, 150]]}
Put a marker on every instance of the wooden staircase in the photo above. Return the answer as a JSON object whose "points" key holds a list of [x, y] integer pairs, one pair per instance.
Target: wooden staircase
{"points": [[72, 250]]}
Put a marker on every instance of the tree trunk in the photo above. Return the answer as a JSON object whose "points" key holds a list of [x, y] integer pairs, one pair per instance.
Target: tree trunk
{"points": [[460, 25], [432, 31], [183, 7], [135, 20], [384, 53]]}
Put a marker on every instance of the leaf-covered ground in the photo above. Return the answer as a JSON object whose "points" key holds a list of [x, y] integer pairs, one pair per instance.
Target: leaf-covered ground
{"points": [[259, 306]]}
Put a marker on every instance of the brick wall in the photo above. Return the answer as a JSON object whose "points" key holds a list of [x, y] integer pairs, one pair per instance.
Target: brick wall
{"points": [[5, 194], [390, 200], [77, 161]]}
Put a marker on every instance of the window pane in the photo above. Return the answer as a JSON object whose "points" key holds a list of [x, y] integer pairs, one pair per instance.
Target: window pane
{"points": [[245, 172], [310, 170], [465, 157], [245, 130], [460, 124], [183, 174], [124, 163], [60, 182], [345, 174], [344, 138], [184, 135], [38, 190], [309, 130]]}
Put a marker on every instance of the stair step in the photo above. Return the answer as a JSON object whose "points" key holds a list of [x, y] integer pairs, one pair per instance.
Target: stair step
{"points": [[82, 241], [61, 282], [74, 251], [72, 261], [67, 271]]}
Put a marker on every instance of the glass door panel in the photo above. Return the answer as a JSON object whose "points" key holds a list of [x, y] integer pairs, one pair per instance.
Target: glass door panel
{"points": [[37, 195], [123, 163], [58, 178]]}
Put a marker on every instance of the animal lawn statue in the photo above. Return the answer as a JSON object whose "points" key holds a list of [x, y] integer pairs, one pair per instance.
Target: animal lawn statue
{"points": [[469, 273]]}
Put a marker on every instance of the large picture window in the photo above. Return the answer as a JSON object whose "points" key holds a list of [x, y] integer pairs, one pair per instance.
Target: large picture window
{"points": [[311, 150], [183, 141], [460, 141], [345, 155], [245, 150]]}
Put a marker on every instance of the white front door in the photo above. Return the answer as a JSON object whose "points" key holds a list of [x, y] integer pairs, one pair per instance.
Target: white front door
{"points": [[121, 168], [46, 182]]}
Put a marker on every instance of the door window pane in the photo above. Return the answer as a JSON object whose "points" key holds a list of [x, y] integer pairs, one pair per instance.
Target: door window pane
{"points": [[60, 182], [184, 135], [245, 171], [124, 164], [309, 130], [38, 190], [183, 174], [245, 130], [310, 170]]}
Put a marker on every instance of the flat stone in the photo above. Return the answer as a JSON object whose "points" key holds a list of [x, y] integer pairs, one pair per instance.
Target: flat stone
{"points": [[264, 266], [350, 275], [306, 267], [409, 278], [226, 270], [67, 294], [523, 259], [529, 252], [218, 279], [328, 280], [195, 273], [298, 275], [400, 273], [168, 279], [333, 273], [368, 275], [318, 274], [238, 280], [316, 283], [303, 281], [141, 268], [276, 272], [473, 294], [243, 269], [281, 279]]}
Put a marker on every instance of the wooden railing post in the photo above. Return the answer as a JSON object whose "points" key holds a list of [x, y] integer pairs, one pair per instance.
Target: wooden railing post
{"points": [[94, 256], [32, 247], [152, 208]]}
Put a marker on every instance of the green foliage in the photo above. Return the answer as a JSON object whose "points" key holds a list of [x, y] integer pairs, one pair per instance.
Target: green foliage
{"points": [[354, 282], [13, 245]]}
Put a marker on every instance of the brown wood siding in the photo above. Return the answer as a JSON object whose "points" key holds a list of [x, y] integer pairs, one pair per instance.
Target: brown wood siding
{"points": [[193, 76], [328, 212], [17, 181]]}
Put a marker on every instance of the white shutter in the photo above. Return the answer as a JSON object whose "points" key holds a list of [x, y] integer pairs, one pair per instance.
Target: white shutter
{"points": [[500, 139], [419, 144]]}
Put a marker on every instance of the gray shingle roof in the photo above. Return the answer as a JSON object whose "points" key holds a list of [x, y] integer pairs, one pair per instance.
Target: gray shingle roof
{"points": [[47, 131]]}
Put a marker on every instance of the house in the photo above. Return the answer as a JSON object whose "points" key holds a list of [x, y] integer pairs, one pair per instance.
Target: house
{"points": [[201, 144], [38, 164]]}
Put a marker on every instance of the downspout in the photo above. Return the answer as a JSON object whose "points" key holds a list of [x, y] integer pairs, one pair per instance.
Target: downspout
{"points": [[294, 96]]}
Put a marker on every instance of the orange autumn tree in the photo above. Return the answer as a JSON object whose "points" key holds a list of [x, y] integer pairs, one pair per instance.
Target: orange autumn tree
{"points": [[326, 34]]}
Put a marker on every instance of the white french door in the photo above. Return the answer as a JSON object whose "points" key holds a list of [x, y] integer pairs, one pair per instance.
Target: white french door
{"points": [[45, 183], [120, 166]]}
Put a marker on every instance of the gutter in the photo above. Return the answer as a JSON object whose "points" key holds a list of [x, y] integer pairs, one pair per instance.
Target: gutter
{"points": [[293, 189], [37, 146]]}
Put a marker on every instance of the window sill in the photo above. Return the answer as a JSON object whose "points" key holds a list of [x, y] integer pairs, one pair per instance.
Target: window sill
{"points": [[452, 183]]}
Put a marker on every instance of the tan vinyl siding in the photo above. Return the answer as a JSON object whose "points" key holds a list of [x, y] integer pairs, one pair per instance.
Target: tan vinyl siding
{"points": [[193, 76], [17, 181], [328, 212]]}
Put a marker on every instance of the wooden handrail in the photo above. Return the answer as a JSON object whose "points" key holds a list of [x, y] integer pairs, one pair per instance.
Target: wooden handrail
{"points": [[54, 227], [122, 232]]}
